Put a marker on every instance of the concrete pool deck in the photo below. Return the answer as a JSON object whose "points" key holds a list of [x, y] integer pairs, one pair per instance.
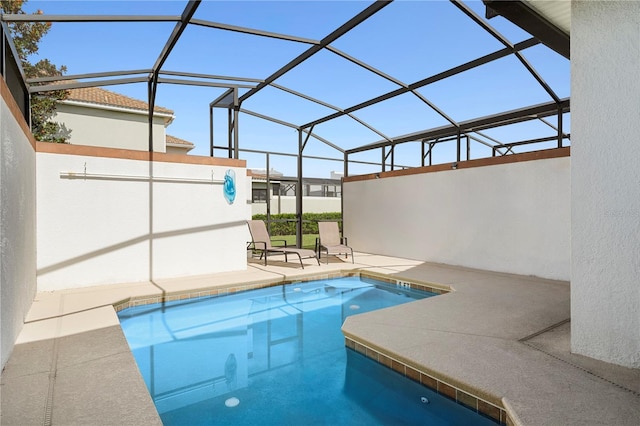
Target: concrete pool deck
{"points": [[504, 338]]}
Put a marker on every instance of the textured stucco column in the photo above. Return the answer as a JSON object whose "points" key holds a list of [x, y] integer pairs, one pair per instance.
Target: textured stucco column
{"points": [[605, 179]]}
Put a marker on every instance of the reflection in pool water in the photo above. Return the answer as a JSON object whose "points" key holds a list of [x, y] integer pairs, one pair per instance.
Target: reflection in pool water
{"points": [[276, 356]]}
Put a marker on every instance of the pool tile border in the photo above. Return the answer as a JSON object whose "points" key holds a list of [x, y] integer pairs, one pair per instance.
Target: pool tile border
{"points": [[235, 288], [191, 294], [413, 284], [464, 398]]}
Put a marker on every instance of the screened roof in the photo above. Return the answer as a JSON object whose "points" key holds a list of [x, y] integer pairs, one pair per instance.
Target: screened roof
{"points": [[355, 74]]}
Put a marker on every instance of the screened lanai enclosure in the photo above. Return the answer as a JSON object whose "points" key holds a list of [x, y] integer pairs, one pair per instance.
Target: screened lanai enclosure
{"points": [[433, 111], [313, 87]]}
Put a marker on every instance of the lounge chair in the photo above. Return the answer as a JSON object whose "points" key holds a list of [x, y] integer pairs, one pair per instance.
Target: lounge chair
{"points": [[261, 241], [331, 242]]}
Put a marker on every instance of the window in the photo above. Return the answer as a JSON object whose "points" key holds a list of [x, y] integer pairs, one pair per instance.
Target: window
{"points": [[259, 195]]}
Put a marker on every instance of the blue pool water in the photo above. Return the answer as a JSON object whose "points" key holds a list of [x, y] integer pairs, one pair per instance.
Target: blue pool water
{"points": [[276, 356]]}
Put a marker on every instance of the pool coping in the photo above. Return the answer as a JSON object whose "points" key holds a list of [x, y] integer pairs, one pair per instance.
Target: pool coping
{"points": [[224, 290], [435, 382], [442, 385]]}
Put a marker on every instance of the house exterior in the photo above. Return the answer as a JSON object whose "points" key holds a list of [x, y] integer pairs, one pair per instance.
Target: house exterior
{"points": [[99, 117], [602, 263], [318, 195], [174, 145]]}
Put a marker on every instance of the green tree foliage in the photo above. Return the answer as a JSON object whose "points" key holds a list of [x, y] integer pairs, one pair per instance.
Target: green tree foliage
{"points": [[26, 36], [309, 222]]}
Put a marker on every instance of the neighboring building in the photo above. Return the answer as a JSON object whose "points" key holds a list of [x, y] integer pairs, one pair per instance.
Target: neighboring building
{"points": [[318, 195], [99, 117], [174, 145]]}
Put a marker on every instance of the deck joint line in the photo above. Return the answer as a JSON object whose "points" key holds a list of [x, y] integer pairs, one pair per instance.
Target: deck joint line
{"points": [[622, 387], [544, 330], [525, 340], [53, 371]]}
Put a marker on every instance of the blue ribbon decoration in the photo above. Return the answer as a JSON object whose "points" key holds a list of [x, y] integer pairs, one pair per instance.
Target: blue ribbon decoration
{"points": [[229, 186]]}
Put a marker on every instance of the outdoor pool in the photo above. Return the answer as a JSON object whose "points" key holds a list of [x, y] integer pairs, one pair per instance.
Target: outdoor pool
{"points": [[276, 356]]}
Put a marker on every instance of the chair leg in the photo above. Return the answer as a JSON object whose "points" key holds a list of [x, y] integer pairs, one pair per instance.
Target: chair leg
{"points": [[300, 258]]}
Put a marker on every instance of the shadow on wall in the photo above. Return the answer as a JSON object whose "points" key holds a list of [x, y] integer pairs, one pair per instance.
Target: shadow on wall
{"points": [[111, 216], [133, 241]]}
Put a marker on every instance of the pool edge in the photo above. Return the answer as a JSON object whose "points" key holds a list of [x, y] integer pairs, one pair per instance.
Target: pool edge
{"points": [[447, 387], [248, 286], [434, 381]]}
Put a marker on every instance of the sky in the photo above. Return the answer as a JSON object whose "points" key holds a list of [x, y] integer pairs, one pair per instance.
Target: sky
{"points": [[407, 40]]}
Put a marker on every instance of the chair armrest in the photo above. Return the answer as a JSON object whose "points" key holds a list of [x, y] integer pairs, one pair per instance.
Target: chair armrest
{"points": [[284, 241], [256, 243], [343, 240]]}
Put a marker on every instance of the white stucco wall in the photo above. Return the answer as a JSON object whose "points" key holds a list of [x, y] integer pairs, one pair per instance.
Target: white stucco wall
{"points": [[510, 218], [183, 150], [17, 227], [287, 204], [103, 231], [113, 129], [605, 176]]}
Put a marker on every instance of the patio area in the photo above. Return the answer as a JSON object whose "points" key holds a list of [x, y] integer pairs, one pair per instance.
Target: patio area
{"points": [[503, 338], [499, 343]]}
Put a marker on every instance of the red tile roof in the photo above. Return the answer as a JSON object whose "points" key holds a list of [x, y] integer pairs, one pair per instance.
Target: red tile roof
{"points": [[98, 96], [178, 141]]}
